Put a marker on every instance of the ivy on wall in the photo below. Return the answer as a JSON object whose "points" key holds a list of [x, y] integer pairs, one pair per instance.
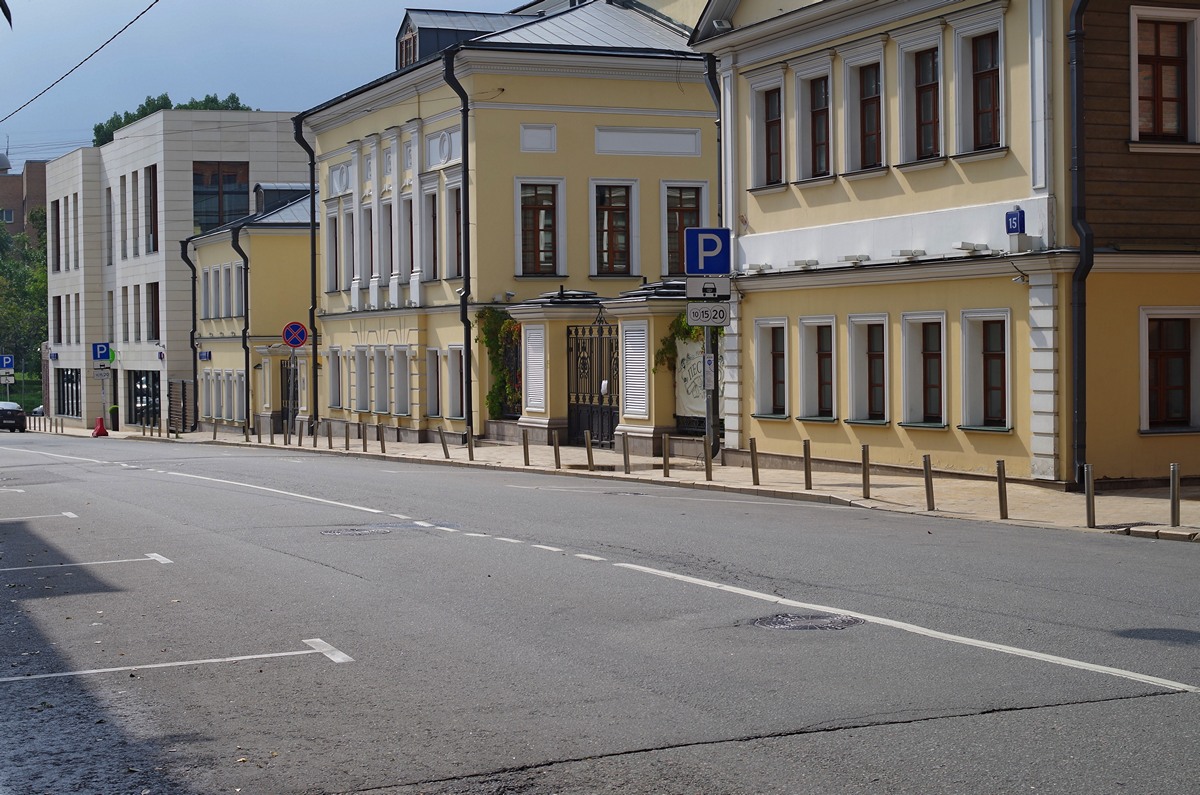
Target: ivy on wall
{"points": [[501, 337]]}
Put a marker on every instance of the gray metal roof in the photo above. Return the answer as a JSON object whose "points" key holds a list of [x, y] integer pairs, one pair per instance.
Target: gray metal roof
{"points": [[423, 18], [595, 24], [295, 212]]}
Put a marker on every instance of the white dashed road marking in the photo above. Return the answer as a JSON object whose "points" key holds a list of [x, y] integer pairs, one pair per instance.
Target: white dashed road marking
{"points": [[149, 556], [44, 516], [582, 556]]}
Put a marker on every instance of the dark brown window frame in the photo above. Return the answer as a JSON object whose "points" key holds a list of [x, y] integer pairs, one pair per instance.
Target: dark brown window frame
{"points": [[876, 371], [991, 386], [680, 216], [985, 81], [931, 357], [772, 110], [1157, 62], [778, 369], [870, 142], [818, 127], [1160, 357], [922, 89], [537, 260], [825, 376], [613, 258]]}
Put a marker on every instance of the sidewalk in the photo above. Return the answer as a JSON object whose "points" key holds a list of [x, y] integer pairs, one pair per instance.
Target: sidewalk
{"points": [[1138, 512]]}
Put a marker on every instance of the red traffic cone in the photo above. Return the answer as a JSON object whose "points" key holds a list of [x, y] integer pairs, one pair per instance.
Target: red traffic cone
{"points": [[99, 429]]}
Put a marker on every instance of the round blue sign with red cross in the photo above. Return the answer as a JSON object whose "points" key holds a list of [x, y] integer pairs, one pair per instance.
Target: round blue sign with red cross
{"points": [[295, 334]]}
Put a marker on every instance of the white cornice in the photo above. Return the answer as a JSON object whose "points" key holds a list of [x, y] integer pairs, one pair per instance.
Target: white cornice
{"points": [[907, 273], [624, 67], [390, 92], [1146, 262], [528, 108]]}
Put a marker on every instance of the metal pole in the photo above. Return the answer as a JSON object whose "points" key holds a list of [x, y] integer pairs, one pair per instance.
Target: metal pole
{"points": [[1002, 485], [258, 430], [299, 434], [807, 465], [866, 471], [316, 431], [587, 443], [525, 444], [1174, 495], [708, 458], [666, 443], [271, 436], [442, 437], [214, 429], [927, 466], [346, 434], [246, 431], [625, 450], [328, 435], [382, 444], [1089, 493], [470, 444], [557, 458], [362, 433], [754, 460]]}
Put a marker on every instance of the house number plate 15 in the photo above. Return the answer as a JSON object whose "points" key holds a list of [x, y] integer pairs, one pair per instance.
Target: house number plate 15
{"points": [[708, 314]]}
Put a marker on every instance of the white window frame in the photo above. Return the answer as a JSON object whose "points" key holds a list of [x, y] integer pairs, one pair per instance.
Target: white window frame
{"points": [[455, 378], [1190, 17], [449, 234], [381, 381], [368, 268], [362, 379], [387, 249], [967, 26], [239, 396], [912, 399], [230, 397], [265, 374], [218, 409], [804, 73], [406, 254], [533, 367], [859, 374], [908, 44], [429, 256], [206, 410], [635, 369], [810, 383], [346, 239], [1145, 314], [433, 382], [205, 310], [854, 59], [635, 226], [239, 299], [335, 378], [560, 222], [759, 84], [763, 328], [331, 249], [401, 384], [227, 290], [972, 368]]}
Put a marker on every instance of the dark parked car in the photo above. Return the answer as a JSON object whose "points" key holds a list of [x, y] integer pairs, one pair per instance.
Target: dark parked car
{"points": [[12, 417]]}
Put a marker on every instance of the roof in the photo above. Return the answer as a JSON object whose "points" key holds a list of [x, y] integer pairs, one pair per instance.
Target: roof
{"points": [[593, 24], [294, 213], [424, 19]]}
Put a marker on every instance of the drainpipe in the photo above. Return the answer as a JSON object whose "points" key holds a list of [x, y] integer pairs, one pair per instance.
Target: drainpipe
{"points": [[236, 243], [298, 134], [464, 299], [183, 252], [713, 409], [714, 90], [1086, 249]]}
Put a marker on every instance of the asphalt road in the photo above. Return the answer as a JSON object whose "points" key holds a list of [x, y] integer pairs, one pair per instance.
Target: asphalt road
{"points": [[197, 619]]}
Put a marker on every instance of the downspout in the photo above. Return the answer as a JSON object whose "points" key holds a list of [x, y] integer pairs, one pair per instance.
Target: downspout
{"points": [[1086, 249], [237, 246], [464, 299], [714, 90], [298, 134], [713, 409], [183, 253]]}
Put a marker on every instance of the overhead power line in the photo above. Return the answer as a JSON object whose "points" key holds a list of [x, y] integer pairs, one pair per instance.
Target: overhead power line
{"points": [[81, 63]]}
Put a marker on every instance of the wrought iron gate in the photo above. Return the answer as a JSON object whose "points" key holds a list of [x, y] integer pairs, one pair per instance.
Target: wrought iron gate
{"points": [[593, 388], [289, 395]]}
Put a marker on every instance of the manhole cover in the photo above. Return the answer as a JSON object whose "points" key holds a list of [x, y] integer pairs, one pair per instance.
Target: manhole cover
{"points": [[356, 531], [818, 621]]}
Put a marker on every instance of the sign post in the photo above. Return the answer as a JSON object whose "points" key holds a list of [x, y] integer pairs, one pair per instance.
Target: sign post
{"points": [[102, 372], [8, 371], [708, 264], [295, 334]]}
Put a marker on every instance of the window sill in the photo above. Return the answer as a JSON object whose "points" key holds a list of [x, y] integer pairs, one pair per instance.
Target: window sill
{"points": [[925, 426], [880, 423], [922, 165], [816, 182], [1165, 147], [763, 190], [865, 173], [986, 428], [769, 416], [1176, 430], [827, 420], [613, 275], [402, 415], [538, 276], [994, 153]]}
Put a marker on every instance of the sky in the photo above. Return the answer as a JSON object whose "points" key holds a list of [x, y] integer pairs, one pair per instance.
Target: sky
{"points": [[280, 55]]}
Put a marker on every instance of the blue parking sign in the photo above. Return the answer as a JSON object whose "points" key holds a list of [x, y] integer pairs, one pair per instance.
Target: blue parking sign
{"points": [[707, 252], [7, 361], [99, 351]]}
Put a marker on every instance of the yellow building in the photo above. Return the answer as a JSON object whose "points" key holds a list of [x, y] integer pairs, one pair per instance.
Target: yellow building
{"points": [[252, 281], [524, 164], [953, 241]]}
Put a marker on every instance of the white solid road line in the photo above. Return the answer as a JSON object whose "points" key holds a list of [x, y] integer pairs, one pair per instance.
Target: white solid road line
{"points": [[67, 514], [277, 491], [918, 630], [317, 645], [149, 556]]}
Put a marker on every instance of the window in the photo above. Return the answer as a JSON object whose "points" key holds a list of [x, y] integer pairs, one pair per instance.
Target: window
{"points": [[110, 324], [6, 216], [330, 232], [124, 219], [433, 383], [818, 126], [55, 236], [57, 312], [362, 380], [772, 140], [382, 382], [924, 368], [335, 378], [206, 409], [1166, 74], [108, 226], [454, 375], [226, 291], [400, 384], [239, 298], [1170, 397], [368, 247], [406, 236], [137, 212], [539, 223], [926, 104], [67, 401], [454, 262], [348, 256], [205, 310], [614, 214], [429, 268], [979, 60], [150, 183], [869, 132], [863, 81], [772, 372], [152, 317], [868, 368], [683, 205], [387, 256], [817, 382], [220, 193], [986, 394], [76, 239], [985, 82], [124, 314], [137, 313], [406, 49]]}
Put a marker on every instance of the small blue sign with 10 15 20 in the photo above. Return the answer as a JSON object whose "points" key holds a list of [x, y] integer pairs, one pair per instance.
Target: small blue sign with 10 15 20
{"points": [[707, 252]]}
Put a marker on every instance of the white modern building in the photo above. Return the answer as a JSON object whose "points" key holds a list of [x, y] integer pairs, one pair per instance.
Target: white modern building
{"points": [[115, 217]]}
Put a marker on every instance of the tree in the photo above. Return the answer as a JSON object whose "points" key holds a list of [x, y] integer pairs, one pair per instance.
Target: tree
{"points": [[103, 132], [23, 293]]}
